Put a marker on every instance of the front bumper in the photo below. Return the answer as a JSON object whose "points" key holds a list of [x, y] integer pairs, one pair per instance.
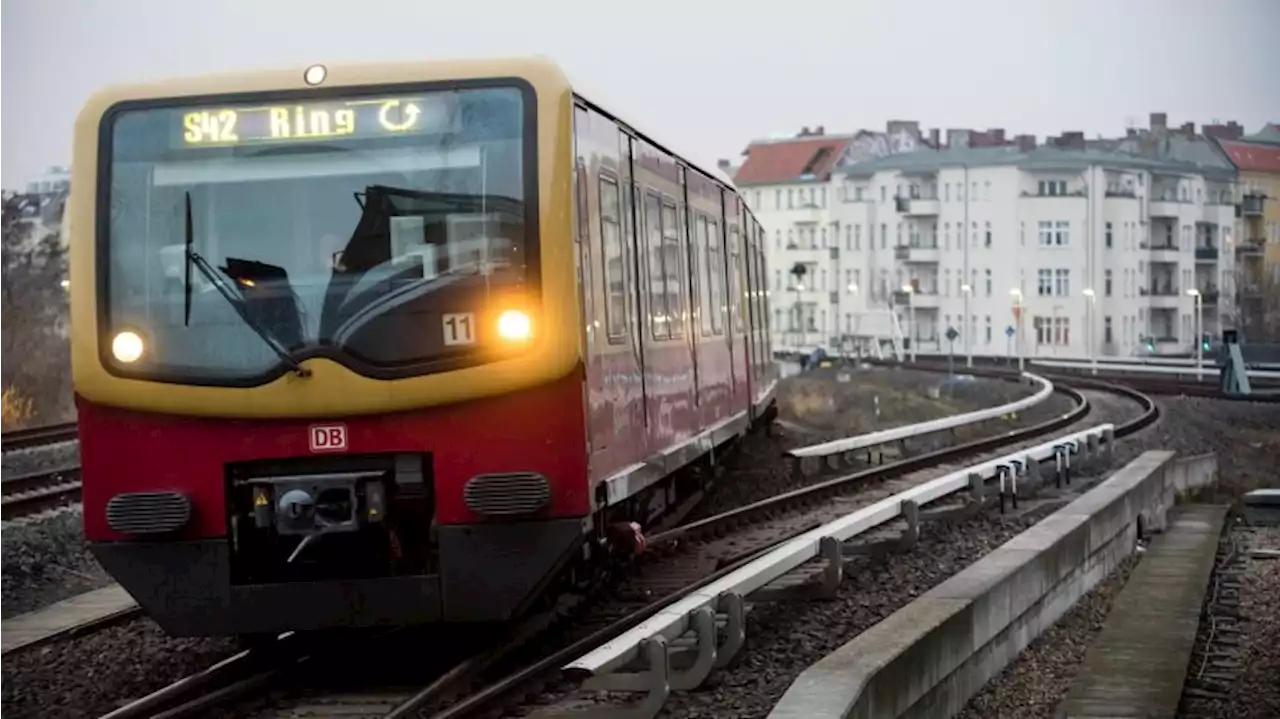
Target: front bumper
{"points": [[489, 572]]}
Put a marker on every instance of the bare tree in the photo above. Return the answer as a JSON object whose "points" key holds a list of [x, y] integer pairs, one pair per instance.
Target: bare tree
{"points": [[36, 373]]}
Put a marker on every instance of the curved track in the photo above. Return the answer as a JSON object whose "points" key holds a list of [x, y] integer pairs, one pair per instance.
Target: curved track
{"points": [[678, 562], [38, 436], [34, 493]]}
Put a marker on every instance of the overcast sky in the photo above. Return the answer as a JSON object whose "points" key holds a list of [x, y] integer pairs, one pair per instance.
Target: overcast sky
{"points": [[706, 76]]}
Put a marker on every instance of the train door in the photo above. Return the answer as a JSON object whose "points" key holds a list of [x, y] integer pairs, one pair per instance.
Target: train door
{"points": [[633, 234], [690, 256], [599, 412]]}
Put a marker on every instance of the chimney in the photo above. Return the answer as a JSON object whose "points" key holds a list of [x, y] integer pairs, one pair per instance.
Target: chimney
{"points": [[1188, 129], [1131, 132], [1230, 131], [1072, 140], [957, 138], [1159, 120], [724, 165], [1026, 143], [935, 138], [996, 135], [818, 131], [804, 131]]}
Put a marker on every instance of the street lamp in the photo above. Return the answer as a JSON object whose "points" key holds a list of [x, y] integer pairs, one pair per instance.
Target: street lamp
{"points": [[967, 291], [1017, 313], [1090, 298], [911, 314], [1199, 345]]}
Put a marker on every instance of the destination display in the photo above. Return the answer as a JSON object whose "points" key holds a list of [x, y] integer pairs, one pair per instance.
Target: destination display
{"points": [[330, 119]]}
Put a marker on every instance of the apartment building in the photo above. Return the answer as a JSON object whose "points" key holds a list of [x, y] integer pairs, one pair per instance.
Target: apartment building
{"points": [[996, 247], [1257, 250]]}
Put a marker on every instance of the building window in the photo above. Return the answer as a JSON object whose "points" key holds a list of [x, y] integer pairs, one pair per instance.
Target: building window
{"points": [[884, 234], [988, 283], [1053, 188], [1061, 331], [988, 238], [1044, 283], [1108, 236], [824, 237], [1054, 233], [857, 237], [946, 192], [1106, 329], [988, 326], [1106, 283], [884, 191], [1061, 282]]}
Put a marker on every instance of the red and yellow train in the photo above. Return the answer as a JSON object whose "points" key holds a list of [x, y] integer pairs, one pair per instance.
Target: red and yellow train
{"points": [[396, 343]]}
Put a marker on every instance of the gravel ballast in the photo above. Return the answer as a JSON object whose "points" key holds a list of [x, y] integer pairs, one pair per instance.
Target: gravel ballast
{"points": [[92, 675], [47, 561]]}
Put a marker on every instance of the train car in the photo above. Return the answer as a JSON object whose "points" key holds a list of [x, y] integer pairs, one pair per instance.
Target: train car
{"points": [[395, 344]]}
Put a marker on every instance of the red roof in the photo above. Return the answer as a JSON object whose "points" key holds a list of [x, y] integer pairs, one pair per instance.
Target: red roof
{"points": [[1250, 157], [785, 160]]}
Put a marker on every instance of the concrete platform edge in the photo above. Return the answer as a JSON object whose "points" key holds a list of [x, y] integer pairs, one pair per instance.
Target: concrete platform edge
{"points": [[930, 657]]}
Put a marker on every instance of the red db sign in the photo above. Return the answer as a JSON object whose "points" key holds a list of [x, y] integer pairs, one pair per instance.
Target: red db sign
{"points": [[328, 437]]}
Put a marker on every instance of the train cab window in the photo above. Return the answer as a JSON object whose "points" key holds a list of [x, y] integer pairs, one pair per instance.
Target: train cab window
{"points": [[673, 271], [656, 282], [390, 252], [614, 270], [715, 276]]}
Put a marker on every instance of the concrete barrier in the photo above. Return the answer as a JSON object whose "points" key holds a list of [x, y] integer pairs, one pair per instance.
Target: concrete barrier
{"points": [[930, 657]]}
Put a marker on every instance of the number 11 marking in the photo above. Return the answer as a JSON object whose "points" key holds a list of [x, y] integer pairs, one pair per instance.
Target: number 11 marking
{"points": [[459, 328]]}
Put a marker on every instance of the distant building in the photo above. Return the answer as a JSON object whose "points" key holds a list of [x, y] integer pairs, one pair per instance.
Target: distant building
{"points": [[44, 200], [1073, 233], [1257, 157]]}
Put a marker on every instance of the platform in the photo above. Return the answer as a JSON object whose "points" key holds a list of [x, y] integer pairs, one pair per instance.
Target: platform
{"points": [[1137, 665], [68, 617]]}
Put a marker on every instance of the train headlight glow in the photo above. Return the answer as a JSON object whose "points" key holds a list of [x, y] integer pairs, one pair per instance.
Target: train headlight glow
{"points": [[514, 326], [127, 347]]}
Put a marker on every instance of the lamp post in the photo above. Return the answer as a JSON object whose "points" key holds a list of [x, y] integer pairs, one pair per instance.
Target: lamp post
{"points": [[1090, 299], [1017, 313], [911, 318], [853, 290], [967, 291], [1199, 345]]}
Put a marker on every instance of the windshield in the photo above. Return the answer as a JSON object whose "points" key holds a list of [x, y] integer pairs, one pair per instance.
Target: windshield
{"points": [[387, 233]]}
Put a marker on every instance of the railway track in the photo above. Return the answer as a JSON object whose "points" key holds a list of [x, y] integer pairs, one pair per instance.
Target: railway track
{"points": [[38, 436], [37, 492], [301, 677]]}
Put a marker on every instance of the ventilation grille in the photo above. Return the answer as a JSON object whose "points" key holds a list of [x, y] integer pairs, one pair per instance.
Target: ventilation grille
{"points": [[148, 512], [504, 495]]}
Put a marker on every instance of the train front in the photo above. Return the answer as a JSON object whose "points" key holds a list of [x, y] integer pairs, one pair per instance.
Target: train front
{"points": [[326, 344]]}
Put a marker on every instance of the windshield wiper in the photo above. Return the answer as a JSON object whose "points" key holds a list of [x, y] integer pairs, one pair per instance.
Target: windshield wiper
{"points": [[237, 302]]}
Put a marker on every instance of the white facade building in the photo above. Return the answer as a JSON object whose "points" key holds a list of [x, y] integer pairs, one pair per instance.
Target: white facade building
{"points": [[1043, 251]]}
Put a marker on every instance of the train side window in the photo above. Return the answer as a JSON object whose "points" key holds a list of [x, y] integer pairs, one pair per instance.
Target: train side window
{"points": [[673, 274], [656, 283], [704, 278], [615, 271], [735, 280], [715, 276]]}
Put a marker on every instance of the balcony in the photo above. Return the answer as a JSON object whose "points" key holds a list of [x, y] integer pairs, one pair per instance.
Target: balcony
{"points": [[1166, 208], [922, 300], [808, 214], [1206, 254], [1161, 252], [1216, 213], [1251, 205], [917, 206], [1162, 295], [1208, 297], [917, 254], [1251, 246]]}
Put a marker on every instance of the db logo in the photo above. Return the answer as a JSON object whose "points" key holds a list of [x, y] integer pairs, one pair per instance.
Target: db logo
{"points": [[328, 437]]}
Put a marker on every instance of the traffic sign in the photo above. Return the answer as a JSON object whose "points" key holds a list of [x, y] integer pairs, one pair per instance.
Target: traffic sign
{"points": [[1009, 331], [952, 334]]}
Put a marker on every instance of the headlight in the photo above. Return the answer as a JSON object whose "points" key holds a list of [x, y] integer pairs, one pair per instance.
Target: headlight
{"points": [[127, 347], [514, 326]]}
